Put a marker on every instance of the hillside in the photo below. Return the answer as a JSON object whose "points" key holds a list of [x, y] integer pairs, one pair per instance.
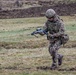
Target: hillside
{"points": [[12, 4], [35, 8]]}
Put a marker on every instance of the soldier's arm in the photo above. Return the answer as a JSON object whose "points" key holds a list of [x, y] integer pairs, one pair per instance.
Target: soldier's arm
{"points": [[41, 31], [61, 30]]}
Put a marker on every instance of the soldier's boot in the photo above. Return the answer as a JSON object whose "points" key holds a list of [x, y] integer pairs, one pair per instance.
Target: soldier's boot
{"points": [[54, 64], [60, 60], [53, 67]]}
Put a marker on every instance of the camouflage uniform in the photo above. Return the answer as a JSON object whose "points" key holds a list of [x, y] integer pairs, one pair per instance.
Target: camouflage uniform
{"points": [[55, 28]]}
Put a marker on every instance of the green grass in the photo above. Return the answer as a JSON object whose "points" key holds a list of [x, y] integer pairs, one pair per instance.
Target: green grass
{"points": [[20, 29]]}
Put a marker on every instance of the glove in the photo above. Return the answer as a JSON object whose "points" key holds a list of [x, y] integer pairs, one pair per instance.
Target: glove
{"points": [[51, 36], [32, 33]]}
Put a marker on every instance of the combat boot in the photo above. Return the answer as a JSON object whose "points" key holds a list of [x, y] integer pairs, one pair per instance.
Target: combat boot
{"points": [[53, 67], [60, 60]]}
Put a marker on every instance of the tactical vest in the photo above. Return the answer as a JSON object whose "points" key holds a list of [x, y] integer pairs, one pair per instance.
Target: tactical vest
{"points": [[53, 27]]}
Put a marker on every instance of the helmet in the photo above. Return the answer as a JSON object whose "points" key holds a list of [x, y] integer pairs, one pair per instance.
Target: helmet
{"points": [[50, 13]]}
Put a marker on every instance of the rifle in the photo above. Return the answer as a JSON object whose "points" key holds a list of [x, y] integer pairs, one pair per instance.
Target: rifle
{"points": [[42, 32], [39, 31]]}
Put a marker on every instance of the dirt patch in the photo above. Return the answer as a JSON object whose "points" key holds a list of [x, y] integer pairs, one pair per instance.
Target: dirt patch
{"points": [[32, 44], [59, 69], [61, 9], [26, 44], [40, 68]]}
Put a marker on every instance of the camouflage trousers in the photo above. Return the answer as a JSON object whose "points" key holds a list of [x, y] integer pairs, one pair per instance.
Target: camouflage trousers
{"points": [[53, 50]]}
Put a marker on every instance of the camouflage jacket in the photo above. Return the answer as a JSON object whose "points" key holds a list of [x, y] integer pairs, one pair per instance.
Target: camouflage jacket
{"points": [[55, 28]]}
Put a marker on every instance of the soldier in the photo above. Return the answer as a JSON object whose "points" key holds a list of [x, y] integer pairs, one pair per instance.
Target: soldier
{"points": [[55, 28]]}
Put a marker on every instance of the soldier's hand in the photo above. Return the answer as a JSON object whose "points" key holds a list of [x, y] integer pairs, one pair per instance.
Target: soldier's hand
{"points": [[41, 34], [51, 35]]}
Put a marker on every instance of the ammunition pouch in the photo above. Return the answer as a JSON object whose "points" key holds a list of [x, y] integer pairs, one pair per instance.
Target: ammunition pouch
{"points": [[64, 38], [49, 37]]}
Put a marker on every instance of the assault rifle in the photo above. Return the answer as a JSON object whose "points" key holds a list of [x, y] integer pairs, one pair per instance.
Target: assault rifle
{"points": [[40, 32]]}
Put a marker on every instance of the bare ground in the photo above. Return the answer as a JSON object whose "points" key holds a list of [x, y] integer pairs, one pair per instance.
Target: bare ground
{"points": [[32, 44], [16, 61]]}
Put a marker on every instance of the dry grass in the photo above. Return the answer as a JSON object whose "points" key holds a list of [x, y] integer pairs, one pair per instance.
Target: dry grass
{"points": [[23, 54], [15, 61]]}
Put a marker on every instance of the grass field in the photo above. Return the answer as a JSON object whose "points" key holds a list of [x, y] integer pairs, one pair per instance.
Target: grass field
{"points": [[23, 54]]}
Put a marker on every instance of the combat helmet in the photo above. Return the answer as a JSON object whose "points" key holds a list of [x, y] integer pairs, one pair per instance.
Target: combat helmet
{"points": [[50, 13]]}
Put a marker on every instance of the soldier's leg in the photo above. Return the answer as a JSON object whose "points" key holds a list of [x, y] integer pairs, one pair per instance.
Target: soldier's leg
{"points": [[57, 56], [53, 50], [60, 57]]}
